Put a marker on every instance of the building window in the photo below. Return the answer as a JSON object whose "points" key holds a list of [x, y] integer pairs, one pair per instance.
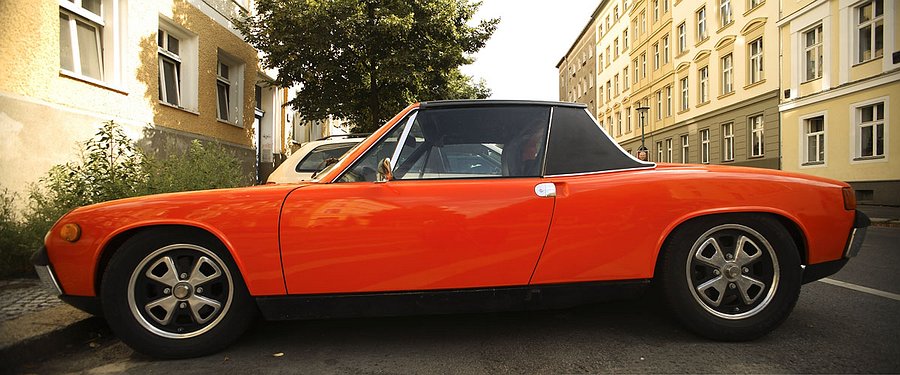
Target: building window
{"points": [[610, 122], [668, 150], [616, 84], [668, 100], [682, 38], [609, 94], [813, 45], [608, 56], [685, 104], [624, 39], [728, 142], [685, 149], [655, 56], [643, 23], [223, 92], [724, 12], [169, 68], [665, 41], [727, 74], [814, 139], [665, 5], [637, 75], [655, 10], [628, 120], [701, 24], [870, 30], [625, 81], [229, 81], [659, 105], [619, 123], [756, 60], [616, 12], [659, 151], [616, 48], [81, 36], [870, 130], [644, 65], [704, 146], [704, 84], [757, 136], [754, 3]]}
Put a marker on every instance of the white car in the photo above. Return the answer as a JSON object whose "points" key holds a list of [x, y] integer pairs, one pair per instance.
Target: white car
{"points": [[312, 157]]}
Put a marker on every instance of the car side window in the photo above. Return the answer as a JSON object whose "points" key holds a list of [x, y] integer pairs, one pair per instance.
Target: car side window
{"points": [[317, 158], [503, 141], [365, 169]]}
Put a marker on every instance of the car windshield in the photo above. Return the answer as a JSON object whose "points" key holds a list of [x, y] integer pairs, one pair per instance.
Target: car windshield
{"points": [[316, 159]]}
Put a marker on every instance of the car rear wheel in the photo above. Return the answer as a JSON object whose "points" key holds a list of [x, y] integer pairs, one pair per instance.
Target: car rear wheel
{"points": [[731, 277], [175, 295]]}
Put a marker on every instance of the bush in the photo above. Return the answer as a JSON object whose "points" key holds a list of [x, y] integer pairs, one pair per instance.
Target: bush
{"points": [[109, 167]]}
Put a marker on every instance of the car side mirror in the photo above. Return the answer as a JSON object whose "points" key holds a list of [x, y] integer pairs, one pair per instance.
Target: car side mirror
{"points": [[384, 171]]}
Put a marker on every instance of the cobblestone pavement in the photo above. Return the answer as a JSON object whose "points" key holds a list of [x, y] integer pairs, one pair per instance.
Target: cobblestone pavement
{"points": [[21, 296]]}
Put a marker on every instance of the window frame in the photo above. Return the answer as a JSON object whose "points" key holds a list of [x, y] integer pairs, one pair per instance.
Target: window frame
{"points": [[872, 24], [682, 37], [817, 49], [728, 142], [727, 62], [163, 54], [685, 149], [757, 127], [685, 93], [726, 14], [700, 18], [668, 150], [858, 126], [755, 61], [75, 14], [704, 146], [820, 140], [703, 80], [235, 83]]}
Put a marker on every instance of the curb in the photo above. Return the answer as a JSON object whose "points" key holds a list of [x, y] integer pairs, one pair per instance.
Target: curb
{"points": [[42, 334], [885, 223]]}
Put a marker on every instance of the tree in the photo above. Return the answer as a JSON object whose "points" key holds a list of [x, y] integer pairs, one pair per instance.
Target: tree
{"points": [[364, 60]]}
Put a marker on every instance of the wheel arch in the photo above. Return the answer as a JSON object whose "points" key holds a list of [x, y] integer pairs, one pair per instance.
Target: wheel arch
{"points": [[791, 224], [112, 244]]}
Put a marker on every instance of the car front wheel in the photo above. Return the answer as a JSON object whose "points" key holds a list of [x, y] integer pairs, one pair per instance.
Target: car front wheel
{"points": [[175, 295], [732, 277]]}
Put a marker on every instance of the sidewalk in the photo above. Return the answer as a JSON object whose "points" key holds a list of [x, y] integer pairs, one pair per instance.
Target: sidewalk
{"points": [[882, 216]]}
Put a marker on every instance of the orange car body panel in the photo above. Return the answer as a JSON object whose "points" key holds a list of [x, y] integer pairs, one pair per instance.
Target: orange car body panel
{"points": [[325, 237], [413, 235], [245, 220]]}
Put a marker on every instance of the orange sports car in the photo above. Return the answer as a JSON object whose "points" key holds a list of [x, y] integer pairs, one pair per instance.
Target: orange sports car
{"points": [[457, 206]]}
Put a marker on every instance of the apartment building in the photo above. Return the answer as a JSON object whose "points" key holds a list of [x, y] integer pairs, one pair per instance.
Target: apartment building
{"points": [[614, 75], [840, 76], [168, 71], [577, 69], [699, 66]]}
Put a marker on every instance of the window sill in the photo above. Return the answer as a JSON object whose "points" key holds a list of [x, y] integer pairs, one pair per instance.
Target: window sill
{"points": [[754, 84], [725, 26], [702, 104], [756, 156], [91, 81], [229, 123], [811, 80], [170, 105], [725, 95], [751, 10], [683, 111], [867, 158], [876, 58], [728, 161], [813, 164], [701, 41]]}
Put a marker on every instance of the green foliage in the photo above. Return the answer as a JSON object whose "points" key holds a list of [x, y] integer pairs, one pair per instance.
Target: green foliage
{"points": [[110, 167], [366, 60], [203, 167], [15, 245]]}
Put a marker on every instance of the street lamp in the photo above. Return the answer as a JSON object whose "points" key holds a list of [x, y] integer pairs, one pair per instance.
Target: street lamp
{"points": [[642, 151]]}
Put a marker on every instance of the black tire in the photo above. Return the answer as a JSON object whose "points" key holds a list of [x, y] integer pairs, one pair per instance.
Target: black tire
{"points": [[175, 318], [758, 291]]}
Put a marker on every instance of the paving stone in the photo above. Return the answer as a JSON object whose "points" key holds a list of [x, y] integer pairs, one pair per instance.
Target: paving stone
{"points": [[22, 296]]}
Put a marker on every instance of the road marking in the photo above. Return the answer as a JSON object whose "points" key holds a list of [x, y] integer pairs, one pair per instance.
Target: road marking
{"points": [[876, 292]]}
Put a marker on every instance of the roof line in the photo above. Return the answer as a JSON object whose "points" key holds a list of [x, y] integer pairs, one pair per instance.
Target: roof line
{"points": [[492, 102], [584, 30]]}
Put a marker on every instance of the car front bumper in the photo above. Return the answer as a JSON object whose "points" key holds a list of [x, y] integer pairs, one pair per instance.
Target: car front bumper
{"points": [[42, 266]]}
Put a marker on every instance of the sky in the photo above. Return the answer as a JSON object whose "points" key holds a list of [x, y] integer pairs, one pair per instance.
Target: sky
{"points": [[519, 61]]}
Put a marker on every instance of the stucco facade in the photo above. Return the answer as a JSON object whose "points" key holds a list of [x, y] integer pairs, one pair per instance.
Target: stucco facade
{"points": [[577, 69], [48, 103], [839, 90]]}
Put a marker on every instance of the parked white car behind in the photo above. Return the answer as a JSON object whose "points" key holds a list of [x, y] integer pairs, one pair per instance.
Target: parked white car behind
{"points": [[312, 157]]}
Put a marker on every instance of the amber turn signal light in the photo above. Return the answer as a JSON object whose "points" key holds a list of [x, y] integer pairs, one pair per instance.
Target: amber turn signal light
{"points": [[70, 232], [849, 199]]}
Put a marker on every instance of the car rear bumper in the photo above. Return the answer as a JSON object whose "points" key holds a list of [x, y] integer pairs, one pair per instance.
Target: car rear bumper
{"points": [[857, 234], [818, 271]]}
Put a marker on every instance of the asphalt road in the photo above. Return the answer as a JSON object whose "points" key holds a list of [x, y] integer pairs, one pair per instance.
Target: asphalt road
{"points": [[834, 329]]}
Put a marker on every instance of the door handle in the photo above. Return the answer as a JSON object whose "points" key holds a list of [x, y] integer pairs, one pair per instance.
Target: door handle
{"points": [[545, 189]]}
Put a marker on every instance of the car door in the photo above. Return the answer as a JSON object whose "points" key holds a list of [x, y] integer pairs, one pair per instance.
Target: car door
{"points": [[438, 225]]}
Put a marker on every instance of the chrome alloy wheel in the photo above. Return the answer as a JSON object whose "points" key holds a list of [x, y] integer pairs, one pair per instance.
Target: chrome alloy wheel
{"points": [[180, 291], [732, 271]]}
